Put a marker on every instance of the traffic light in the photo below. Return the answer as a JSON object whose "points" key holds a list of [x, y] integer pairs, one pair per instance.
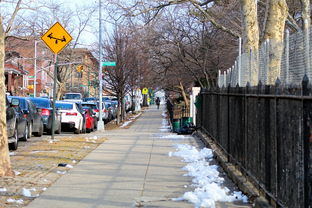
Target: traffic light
{"points": [[79, 68]]}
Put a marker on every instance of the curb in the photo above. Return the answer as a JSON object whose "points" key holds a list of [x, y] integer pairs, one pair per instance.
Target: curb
{"points": [[243, 183]]}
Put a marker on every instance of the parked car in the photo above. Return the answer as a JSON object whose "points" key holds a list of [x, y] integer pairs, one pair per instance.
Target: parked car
{"points": [[74, 97], [95, 108], [33, 117], [128, 102], [115, 108], [90, 99], [44, 106], [71, 116], [91, 120], [16, 123], [110, 111]]}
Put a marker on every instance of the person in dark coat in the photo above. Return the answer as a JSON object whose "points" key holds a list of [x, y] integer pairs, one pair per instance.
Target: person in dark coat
{"points": [[157, 102]]}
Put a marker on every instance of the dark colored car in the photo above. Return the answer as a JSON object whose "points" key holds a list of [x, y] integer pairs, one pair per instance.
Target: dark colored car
{"points": [[16, 123], [91, 120], [110, 110], [90, 99], [44, 106], [33, 117]]}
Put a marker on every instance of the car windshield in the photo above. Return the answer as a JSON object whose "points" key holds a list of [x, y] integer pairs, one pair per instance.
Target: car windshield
{"points": [[41, 103], [64, 106], [72, 96]]}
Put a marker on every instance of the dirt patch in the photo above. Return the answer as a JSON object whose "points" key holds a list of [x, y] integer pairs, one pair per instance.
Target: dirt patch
{"points": [[40, 164], [131, 117]]}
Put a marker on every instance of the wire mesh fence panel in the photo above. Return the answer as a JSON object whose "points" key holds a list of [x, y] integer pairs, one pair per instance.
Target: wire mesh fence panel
{"points": [[296, 58], [292, 67]]}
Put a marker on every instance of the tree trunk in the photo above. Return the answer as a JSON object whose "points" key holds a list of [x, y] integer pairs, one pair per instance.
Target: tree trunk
{"points": [[5, 164], [305, 4], [251, 37], [118, 109], [60, 90], [274, 31], [123, 111], [184, 94]]}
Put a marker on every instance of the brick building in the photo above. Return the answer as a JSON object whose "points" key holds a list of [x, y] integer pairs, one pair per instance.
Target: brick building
{"points": [[20, 53]]}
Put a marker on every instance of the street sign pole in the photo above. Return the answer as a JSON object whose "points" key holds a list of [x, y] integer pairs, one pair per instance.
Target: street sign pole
{"points": [[35, 70], [56, 38], [101, 122], [54, 97]]}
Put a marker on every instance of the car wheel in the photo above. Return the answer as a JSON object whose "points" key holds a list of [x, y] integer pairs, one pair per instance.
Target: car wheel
{"points": [[77, 131], [88, 130], [13, 145], [39, 134], [30, 130], [25, 137]]}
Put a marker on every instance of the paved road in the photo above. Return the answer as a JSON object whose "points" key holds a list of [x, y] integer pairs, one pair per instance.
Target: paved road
{"points": [[131, 169]]}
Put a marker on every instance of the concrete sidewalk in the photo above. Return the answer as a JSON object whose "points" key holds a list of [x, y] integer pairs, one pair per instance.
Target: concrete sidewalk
{"points": [[131, 169]]}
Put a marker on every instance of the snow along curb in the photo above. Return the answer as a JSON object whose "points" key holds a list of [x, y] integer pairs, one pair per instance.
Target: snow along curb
{"points": [[243, 183]]}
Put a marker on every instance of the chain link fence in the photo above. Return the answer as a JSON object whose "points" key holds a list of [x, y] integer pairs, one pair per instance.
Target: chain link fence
{"points": [[295, 63]]}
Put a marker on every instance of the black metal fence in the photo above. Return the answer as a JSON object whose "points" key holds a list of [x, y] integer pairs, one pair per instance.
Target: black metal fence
{"points": [[266, 131]]}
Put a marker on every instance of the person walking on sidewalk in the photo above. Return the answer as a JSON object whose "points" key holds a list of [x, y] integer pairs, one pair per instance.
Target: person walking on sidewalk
{"points": [[157, 102]]}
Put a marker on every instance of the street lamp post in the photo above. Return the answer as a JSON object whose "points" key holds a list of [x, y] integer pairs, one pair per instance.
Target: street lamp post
{"points": [[101, 122]]}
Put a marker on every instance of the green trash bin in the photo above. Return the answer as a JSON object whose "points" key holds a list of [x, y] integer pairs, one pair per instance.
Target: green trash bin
{"points": [[176, 125], [186, 120]]}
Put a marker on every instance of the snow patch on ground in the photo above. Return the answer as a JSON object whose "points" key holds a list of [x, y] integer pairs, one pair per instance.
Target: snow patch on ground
{"points": [[173, 137], [27, 192], [12, 153], [206, 179], [39, 151], [61, 172], [19, 201], [2, 189], [125, 124]]}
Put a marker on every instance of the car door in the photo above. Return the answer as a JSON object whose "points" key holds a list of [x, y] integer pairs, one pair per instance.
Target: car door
{"points": [[36, 116], [21, 122], [10, 119]]}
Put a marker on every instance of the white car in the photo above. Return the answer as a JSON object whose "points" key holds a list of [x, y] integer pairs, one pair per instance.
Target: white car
{"points": [[70, 115]]}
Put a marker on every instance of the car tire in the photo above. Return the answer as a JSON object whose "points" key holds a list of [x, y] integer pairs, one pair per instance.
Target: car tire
{"points": [[30, 128], [39, 134], [88, 130], [77, 131], [14, 145], [25, 137]]}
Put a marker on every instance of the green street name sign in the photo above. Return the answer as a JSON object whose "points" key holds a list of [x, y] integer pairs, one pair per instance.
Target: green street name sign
{"points": [[109, 63]]}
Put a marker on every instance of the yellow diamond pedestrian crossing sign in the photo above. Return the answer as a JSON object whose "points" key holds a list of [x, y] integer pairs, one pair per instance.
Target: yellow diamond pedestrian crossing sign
{"points": [[56, 38], [145, 91]]}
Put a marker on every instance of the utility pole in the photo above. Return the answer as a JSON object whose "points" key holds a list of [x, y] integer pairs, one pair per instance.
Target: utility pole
{"points": [[101, 122], [35, 70]]}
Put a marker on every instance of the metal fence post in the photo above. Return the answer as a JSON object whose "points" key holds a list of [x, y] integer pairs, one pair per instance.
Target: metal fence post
{"points": [[306, 142], [287, 57], [240, 62], [306, 48]]}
